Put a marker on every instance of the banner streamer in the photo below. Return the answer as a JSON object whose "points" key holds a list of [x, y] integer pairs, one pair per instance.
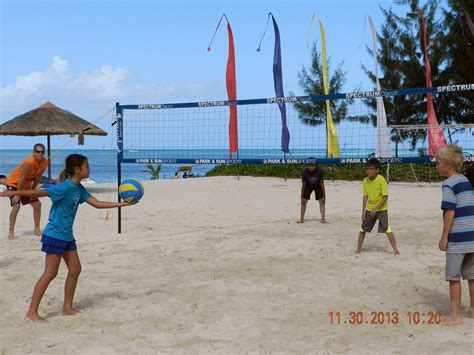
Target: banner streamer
{"points": [[231, 85], [332, 149], [382, 141], [436, 138], [278, 83]]}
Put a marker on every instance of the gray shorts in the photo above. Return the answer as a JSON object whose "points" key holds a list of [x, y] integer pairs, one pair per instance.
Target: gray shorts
{"points": [[369, 222], [458, 265]]}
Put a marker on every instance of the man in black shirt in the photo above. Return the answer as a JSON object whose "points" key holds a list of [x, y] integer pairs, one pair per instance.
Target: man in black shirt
{"points": [[313, 180]]}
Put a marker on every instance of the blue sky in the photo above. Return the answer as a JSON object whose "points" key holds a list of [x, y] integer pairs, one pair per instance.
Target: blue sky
{"points": [[86, 55]]}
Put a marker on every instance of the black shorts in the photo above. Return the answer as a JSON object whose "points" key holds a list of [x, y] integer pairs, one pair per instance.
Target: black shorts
{"points": [[23, 199], [308, 190]]}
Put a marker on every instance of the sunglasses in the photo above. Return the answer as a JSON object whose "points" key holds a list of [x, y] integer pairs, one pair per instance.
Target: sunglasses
{"points": [[39, 151]]}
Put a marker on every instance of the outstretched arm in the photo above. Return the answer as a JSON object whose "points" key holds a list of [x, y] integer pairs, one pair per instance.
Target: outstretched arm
{"points": [[27, 193], [105, 204]]}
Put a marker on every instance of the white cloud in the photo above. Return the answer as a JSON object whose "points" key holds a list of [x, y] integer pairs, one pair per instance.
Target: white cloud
{"points": [[59, 84]]}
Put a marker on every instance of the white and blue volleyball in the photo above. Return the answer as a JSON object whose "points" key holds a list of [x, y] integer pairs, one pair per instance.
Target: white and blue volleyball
{"points": [[131, 190]]}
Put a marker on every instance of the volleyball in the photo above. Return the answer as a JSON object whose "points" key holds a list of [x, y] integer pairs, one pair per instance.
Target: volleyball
{"points": [[131, 190]]}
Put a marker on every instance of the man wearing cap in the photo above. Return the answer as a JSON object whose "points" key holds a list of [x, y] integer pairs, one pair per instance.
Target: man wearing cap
{"points": [[313, 180], [26, 176]]}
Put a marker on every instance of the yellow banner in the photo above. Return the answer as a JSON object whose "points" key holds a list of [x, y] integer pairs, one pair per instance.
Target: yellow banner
{"points": [[331, 132]]}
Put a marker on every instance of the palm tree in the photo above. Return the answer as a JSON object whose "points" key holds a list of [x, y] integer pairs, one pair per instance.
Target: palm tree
{"points": [[155, 172]]}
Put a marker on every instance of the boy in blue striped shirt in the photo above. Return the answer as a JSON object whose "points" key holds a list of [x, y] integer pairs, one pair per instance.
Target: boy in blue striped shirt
{"points": [[458, 228]]}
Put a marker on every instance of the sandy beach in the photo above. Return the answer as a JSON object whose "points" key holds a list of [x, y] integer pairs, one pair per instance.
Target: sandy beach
{"points": [[216, 265]]}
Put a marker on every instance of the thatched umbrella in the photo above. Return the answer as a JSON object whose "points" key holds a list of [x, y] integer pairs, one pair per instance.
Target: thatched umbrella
{"points": [[49, 120]]}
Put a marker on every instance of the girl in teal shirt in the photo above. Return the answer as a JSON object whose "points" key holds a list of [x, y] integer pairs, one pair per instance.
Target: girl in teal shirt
{"points": [[58, 238]]}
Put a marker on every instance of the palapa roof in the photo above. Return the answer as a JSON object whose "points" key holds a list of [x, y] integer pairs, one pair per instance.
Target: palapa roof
{"points": [[49, 119]]}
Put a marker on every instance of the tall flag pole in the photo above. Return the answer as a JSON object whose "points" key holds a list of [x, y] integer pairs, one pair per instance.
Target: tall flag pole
{"points": [[470, 25], [278, 83], [436, 138], [331, 131], [382, 142], [231, 85]]}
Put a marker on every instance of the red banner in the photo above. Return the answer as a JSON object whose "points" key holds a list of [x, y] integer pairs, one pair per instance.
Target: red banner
{"points": [[436, 139], [231, 85]]}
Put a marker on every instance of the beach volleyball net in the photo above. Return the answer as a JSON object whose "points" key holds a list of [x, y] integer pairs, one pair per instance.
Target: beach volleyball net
{"points": [[205, 132]]}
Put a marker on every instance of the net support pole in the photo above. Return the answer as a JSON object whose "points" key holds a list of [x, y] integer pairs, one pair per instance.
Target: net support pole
{"points": [[238, 167], [119, 121]]}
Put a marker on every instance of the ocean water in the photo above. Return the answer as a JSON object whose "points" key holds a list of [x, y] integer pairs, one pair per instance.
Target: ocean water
{"points": [[102, 162]]}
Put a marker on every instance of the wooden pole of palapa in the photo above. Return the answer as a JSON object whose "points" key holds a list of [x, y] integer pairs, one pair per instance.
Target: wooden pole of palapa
{"points": [[49, 156]]}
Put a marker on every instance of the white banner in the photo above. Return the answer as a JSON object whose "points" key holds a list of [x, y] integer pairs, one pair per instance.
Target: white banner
{"points": [[382, 139]]}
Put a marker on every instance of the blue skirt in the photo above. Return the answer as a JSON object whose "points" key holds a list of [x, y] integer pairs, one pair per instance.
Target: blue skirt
{"points": [[56, 246]]}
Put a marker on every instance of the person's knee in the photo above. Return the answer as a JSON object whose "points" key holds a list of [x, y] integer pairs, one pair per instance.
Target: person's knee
{"points": [[304, 202], [75, 270], [16, 207], [36, 205], [50, 274]]}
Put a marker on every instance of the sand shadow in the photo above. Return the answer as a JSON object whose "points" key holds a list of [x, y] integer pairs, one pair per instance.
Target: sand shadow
{"points": [[375, 248], [438, 300], [100, 298], [8, 261], [96, 299]]}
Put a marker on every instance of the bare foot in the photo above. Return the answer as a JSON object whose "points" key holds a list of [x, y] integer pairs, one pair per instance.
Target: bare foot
{"points": [[36, 318], [451, 320], [70, 312], [300, 221], [396, 252], [470, 314], [357, 251], [11, 234], [38, 232], [323, 221]]}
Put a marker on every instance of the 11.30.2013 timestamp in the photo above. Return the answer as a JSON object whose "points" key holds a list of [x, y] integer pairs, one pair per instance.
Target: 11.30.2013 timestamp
{"points": [[384, 318]]}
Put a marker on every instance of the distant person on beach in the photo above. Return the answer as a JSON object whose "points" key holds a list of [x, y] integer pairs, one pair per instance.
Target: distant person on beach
{"points": [[313, 180], [26, 176], [58, 239], [457, 238], [3, 179], [375, 206]]}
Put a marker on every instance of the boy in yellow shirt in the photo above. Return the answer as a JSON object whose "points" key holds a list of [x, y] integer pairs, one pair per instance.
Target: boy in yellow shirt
{"points": [[375, 206]]}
